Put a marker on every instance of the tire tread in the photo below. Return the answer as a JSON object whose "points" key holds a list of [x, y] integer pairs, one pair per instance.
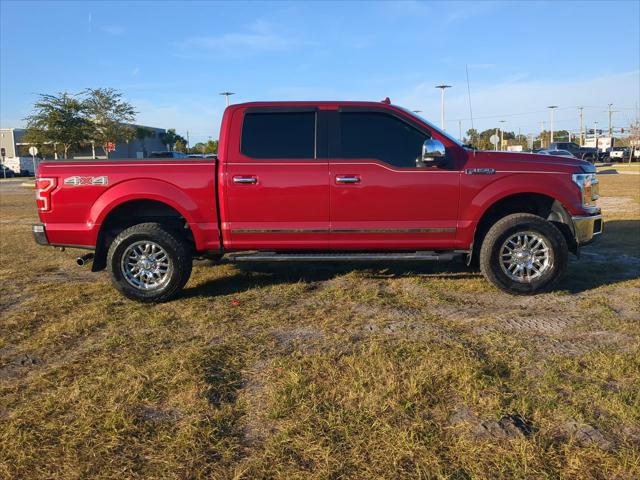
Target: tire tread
{"points": [[491, 271], [182, 263]]}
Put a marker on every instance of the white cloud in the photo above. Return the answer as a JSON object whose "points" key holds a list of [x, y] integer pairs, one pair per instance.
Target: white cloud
{"points": [[258, 37], [114, 30]]}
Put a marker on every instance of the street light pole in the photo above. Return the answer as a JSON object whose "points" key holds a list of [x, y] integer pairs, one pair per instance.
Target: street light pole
{"points": [[581, 127], [442, 88], [502, 133], [227, 95], [552, 108]]}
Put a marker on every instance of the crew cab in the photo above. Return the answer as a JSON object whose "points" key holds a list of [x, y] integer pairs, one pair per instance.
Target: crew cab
{"points": [[585, 153], [317, 181]]}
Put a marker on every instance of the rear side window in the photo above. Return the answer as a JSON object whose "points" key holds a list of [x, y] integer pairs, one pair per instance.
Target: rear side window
{"points": [[279, 135], [381, 136]]}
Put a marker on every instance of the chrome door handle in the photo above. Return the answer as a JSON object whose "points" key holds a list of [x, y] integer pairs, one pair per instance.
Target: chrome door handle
{"points": [[347, 179], [245, 180]]}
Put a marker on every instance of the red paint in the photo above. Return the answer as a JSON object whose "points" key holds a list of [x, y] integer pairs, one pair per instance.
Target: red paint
{"points": [[301, 199]]}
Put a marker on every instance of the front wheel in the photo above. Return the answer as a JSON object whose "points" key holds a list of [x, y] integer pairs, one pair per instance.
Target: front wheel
{"points": [[149, 263], [523, 254]]}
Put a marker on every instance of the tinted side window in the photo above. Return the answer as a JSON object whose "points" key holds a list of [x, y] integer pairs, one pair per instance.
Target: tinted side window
{"points": [[381, 136], [279, 135]]}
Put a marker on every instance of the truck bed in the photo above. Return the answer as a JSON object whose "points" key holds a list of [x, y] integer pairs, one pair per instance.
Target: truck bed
{"points": [[86, 192]]}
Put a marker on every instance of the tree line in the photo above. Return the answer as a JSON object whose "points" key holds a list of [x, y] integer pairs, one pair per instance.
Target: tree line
{"points": [[480, 140], [65, 123]]}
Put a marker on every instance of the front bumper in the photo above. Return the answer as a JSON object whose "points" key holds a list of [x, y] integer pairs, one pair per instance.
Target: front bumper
{"points": [[587, 227], [39, 234]]}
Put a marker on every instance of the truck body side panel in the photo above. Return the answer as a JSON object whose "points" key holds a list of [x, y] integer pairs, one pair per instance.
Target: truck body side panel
{"points": [[80, 203]]}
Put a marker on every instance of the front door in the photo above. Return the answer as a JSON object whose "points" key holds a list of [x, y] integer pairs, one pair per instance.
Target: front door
{"points": [[276, 186], [380, 199]]}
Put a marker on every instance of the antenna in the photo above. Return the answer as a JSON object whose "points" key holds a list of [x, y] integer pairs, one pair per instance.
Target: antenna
{"points": [[469, 94]]}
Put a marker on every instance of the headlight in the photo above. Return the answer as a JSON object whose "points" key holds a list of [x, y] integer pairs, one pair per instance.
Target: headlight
{"points": [[588, 185]]}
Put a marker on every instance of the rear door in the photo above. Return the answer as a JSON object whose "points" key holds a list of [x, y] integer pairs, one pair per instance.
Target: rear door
{"points": [[277, 184], [380, 199]]}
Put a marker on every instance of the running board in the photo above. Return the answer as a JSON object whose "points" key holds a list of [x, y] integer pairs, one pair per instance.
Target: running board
{"points": [[338, 257]]}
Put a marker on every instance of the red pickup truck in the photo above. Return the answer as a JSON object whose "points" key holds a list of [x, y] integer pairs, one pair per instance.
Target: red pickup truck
{"points": [[318, 181]]}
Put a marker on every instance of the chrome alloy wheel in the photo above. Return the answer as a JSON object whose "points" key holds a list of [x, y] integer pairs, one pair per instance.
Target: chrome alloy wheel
{"points": [[145, 265], [525, 256]]}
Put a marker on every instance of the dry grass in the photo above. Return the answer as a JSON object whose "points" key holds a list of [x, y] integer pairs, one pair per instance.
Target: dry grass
{"points": [[359, 371]]}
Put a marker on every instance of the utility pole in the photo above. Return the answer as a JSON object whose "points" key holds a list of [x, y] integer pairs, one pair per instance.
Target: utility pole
{"points": [[610, 113], [442, 88], [581, 127], [502, 133], [552, 108], [227, 95]]}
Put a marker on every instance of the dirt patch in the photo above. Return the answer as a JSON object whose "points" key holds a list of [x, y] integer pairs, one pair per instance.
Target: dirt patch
{"points": [[624, 309], [153, 414], [19, 366], [57, 275], [583, 434], [255, 424], [289, 337], [506, 428]]}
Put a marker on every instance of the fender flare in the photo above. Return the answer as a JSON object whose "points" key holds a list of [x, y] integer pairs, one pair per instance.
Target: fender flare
{"points": [[142, 189], [549, 185], [495, 193]]}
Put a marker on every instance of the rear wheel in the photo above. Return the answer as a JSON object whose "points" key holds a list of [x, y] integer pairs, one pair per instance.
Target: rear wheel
{"points": [[149, 263], [523, 254]]}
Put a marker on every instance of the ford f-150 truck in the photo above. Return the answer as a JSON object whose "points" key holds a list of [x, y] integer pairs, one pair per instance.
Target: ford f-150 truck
{"points": [[320, 181], [584, 153]]}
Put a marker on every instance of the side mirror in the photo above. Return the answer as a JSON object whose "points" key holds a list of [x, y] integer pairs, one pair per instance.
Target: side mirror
{"points": [[433, 153]]}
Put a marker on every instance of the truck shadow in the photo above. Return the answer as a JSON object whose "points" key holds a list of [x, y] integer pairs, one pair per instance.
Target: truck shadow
{"points": [[614, 258], [252, 275], [611, 259]]}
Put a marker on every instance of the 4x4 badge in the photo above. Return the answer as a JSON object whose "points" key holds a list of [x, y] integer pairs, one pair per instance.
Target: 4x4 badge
{"points": [[85, 181]]}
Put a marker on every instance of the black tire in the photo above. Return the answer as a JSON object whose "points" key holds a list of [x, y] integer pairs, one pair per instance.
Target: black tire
{"points": [[506, 228], [179, 261]]}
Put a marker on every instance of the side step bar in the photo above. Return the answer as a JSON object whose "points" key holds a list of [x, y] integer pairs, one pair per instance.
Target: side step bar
{"points": [[338, 257]]}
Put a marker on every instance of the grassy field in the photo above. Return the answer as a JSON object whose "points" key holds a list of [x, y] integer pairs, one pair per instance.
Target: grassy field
{"points": [[321, 372]]}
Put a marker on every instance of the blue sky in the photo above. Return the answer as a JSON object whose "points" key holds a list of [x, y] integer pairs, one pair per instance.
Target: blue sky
{"points": [[172, 59]]}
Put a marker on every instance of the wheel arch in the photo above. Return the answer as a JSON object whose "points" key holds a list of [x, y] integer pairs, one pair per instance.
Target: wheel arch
{"points": [[134, 211], [536, 203]]}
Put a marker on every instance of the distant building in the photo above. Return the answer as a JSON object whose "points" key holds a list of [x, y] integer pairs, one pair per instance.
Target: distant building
{"points": [[10, 139], [18, 159]]}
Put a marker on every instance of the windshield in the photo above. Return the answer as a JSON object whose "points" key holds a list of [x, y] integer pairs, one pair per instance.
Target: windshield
{"points": [[432, 126]]}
